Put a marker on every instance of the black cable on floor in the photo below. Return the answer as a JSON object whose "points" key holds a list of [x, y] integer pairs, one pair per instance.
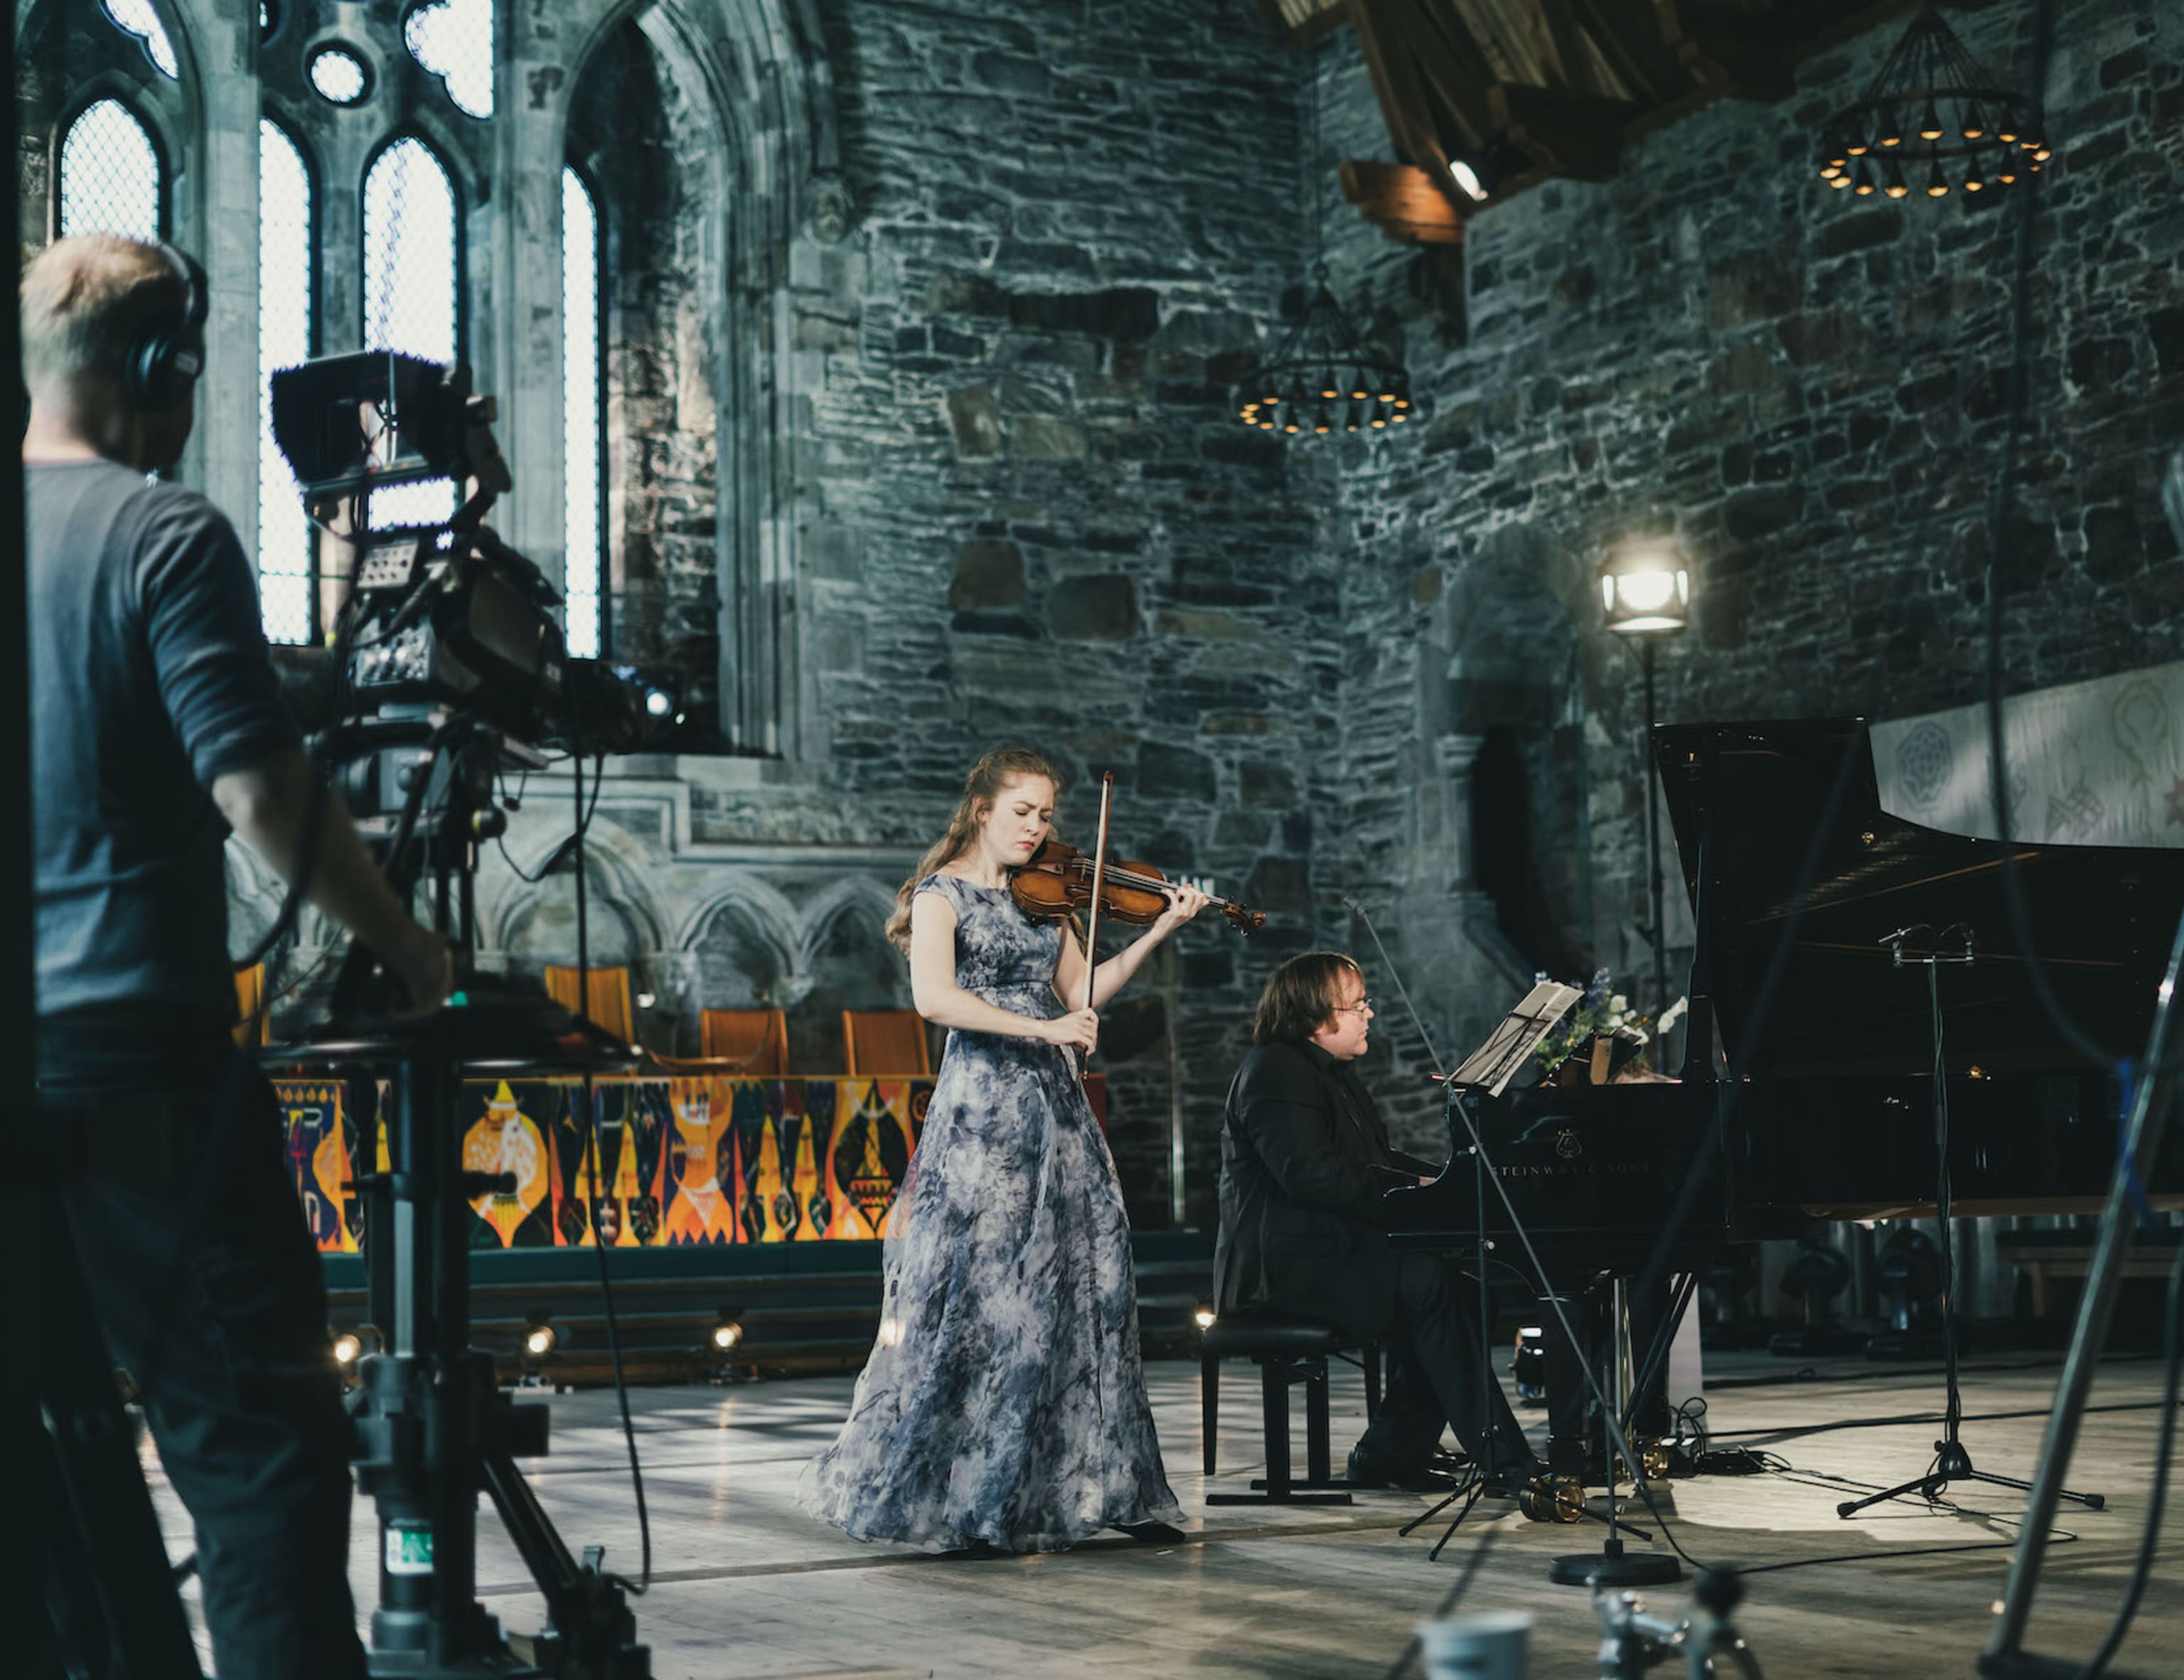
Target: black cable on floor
{"points": [[1906, 1419]]}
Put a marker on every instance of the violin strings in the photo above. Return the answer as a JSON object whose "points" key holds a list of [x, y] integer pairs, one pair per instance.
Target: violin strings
{"points": [[1145, 883]]}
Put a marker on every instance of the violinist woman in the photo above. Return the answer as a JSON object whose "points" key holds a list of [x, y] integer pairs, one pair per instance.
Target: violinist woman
{"points": [[1004, 1404]]}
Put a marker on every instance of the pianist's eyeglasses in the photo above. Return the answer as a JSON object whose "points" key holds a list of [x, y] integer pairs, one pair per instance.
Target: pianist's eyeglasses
{"points": [[1363, 1006]]}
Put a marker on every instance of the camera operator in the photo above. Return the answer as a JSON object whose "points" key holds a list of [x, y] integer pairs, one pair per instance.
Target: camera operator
{"points": [[156, 730]]}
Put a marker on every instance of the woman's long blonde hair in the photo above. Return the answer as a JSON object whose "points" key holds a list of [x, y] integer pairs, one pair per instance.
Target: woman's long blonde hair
{"points": [[981, 788]]}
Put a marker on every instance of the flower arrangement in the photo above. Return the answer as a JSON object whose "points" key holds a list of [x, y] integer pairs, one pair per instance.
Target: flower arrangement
{"points": [[1602, 1012]]}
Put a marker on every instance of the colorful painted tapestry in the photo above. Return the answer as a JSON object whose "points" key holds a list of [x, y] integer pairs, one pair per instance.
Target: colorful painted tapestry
{"points": [[679, 1161]]}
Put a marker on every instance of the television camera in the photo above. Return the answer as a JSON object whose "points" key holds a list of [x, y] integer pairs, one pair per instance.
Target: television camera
{"points": [[447, 671], [447, 668]]}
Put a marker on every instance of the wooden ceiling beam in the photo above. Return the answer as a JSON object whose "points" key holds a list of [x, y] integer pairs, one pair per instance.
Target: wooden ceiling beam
{"points": [[1450, 63], [1634, 49], [1403, 202], [1404, 107], [1729, 48], [1573, 54], [1571, 134], [1324, 20]]}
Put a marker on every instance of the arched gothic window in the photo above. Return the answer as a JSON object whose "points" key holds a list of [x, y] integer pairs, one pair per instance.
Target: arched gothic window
{"points": [[583, 464], [137, 17], [410, 282], [110, 178], [286, 548], [409, 252], [454, 40]]}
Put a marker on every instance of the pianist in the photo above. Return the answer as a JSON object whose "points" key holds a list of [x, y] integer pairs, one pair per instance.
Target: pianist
{"points": [[1305, 1160]]}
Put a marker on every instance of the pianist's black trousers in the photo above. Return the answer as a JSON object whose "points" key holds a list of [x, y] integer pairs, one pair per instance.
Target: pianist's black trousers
{"points": [[192, 1241], [1440, 1373]]}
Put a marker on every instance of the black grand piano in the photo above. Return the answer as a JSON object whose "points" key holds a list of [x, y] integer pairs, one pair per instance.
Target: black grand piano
{"points": [[1830, 1113]]}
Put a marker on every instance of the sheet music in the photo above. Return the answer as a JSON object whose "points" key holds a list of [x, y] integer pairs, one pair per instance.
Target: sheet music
{"points": [[1509, 1046]]}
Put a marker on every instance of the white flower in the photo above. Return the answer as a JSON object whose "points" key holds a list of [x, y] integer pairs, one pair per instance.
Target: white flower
{"points": [[1618, 1003]]}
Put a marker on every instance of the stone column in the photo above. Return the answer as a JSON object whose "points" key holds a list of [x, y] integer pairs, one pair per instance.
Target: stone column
{"points": [[220, 229], [1454, 755], [520, 349]]}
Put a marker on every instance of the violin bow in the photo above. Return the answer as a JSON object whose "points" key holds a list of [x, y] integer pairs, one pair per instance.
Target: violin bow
{"points": [[1092, 911]]}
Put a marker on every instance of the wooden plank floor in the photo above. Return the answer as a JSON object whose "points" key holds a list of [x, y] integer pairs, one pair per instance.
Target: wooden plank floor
{"points": [[744, 1585]]}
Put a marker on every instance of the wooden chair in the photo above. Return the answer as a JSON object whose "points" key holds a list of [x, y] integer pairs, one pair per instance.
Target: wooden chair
{"points": [[755, 1040], [606, 998], [253, 1011], [885, 1042]]}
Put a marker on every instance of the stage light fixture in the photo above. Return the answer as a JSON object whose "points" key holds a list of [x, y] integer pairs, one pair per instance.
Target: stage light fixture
{"points": [[728, 1332], [348, 1347], [538, 1336], [1205, 1315], [1645, 589]]}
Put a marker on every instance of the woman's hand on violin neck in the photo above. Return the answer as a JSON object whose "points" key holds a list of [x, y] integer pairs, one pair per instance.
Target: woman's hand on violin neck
{"points": [[1185, 902], [1079, 1028]]}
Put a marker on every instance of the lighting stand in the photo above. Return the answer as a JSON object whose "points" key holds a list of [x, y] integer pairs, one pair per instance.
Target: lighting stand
{"points": [[432, 1427], [1951, 1462], [1657, 935]]}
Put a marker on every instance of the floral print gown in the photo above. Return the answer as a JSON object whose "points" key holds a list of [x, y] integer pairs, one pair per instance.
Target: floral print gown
{"points": [[1005, 1401]]}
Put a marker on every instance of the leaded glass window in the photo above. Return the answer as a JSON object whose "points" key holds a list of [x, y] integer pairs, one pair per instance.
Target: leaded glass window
{"points": [[137, 17], [409, 254], [580, 413], [286, 540], [339, 75], [454, 40], [110, 175]]}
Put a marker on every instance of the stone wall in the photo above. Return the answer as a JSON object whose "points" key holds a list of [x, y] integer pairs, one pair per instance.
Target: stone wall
{"points": [[1026, 515], [1807, 392], [1023, 511]]}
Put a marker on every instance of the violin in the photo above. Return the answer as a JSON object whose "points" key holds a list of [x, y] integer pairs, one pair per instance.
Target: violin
{"points": [[1057, 882]]}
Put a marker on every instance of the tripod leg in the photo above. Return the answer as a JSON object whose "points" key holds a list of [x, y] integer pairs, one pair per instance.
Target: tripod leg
{"points": [[1478, 1488], [2090, 1501], [584, 1607], [1926, 1487], [1420, 1521]]}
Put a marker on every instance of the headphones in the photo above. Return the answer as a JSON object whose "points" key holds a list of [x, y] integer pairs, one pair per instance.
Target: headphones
{"points": [[167, 354]]}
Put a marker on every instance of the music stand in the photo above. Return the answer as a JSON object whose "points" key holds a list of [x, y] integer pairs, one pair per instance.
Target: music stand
{"points": [[1489, 1070]]}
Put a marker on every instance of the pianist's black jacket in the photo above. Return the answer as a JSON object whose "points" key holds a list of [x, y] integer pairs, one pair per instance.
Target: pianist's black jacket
{"points": [[1305, 1160]]}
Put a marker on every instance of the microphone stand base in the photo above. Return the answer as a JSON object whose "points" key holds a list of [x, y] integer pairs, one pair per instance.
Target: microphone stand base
{"points": [[1611, 1567]]}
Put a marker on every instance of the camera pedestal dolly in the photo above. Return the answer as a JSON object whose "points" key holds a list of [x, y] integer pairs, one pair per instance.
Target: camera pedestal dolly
{"points": [[433, 1428]]}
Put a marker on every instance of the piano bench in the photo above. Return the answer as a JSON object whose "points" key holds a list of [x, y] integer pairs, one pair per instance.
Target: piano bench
{"points": [[1288, 1351]]}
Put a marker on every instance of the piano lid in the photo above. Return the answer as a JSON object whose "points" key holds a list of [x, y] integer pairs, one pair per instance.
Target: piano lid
{"points": [[1744, 801]]}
